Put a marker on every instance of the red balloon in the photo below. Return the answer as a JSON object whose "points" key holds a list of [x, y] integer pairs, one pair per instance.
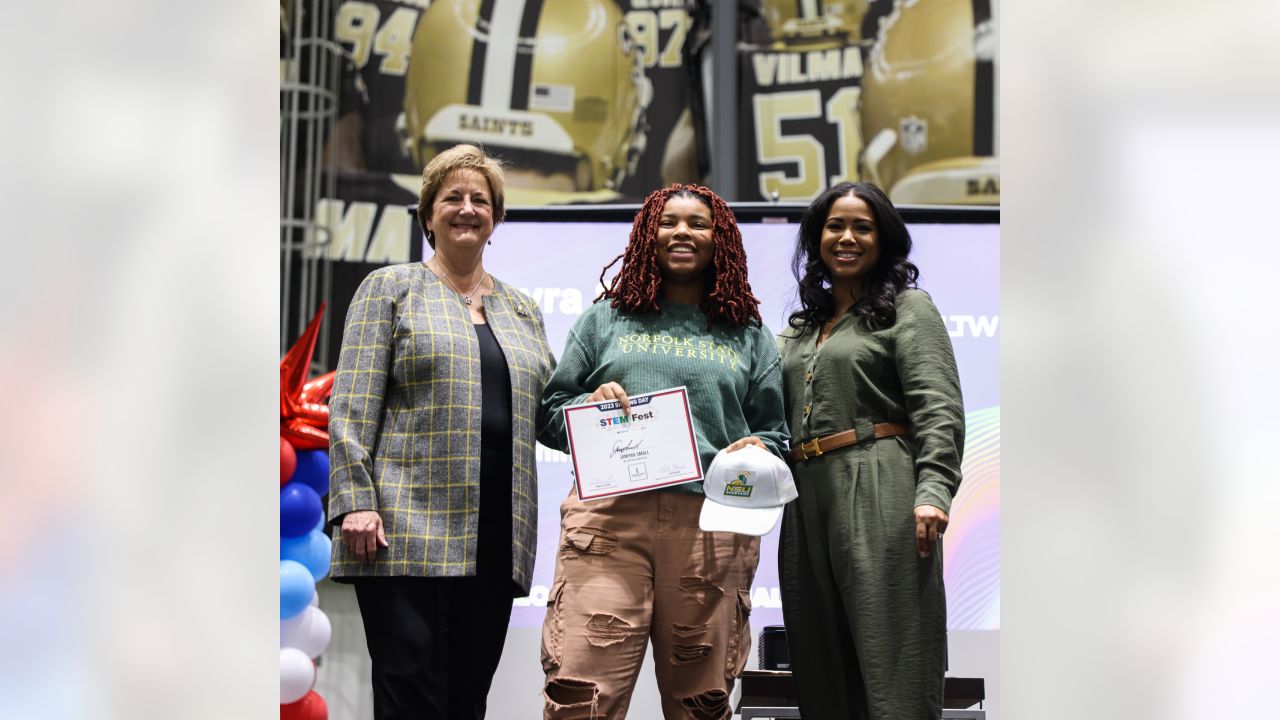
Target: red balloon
{"points": [[310, 707], [314, 414], [288, 461], [317, 389], [293, 366], [303, 436], [304, 411]]}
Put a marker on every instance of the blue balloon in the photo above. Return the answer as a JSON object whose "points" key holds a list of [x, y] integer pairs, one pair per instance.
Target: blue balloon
{"points": [[313, 470], [300, 510], [312, 550], [296, 588]]}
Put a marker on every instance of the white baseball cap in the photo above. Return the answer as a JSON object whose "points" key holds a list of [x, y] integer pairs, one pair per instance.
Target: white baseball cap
{"points": [[746, 490]]}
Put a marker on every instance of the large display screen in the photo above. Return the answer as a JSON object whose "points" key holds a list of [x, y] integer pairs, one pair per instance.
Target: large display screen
{"points": [[558, 264]]}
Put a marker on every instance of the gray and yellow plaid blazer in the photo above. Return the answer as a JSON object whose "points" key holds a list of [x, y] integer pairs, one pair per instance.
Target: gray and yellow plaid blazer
{"points": [[404, 425]]}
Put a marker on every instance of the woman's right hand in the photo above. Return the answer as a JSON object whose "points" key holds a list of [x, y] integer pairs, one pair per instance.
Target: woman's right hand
{"points": [[362, 531], [612, 391]]}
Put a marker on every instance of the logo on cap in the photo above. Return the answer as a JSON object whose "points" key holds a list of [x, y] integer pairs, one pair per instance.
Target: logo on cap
{"points": [[738, 487]]}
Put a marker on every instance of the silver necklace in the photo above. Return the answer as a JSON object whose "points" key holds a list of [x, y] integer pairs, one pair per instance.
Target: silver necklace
{"points": [[465, 296]]}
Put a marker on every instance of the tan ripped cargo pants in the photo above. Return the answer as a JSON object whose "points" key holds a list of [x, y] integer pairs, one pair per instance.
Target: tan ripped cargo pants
{"points": [[634, 568]]}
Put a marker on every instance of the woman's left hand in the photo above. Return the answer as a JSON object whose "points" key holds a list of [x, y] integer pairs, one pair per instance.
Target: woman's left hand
{"points": [[748, 440], [931, 522]]}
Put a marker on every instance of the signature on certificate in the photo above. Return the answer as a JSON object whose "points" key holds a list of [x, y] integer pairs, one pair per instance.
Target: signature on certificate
{"points": [[621, 447]]}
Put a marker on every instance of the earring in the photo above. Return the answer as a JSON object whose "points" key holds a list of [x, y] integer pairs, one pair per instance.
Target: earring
{"points": [[490, 241]]}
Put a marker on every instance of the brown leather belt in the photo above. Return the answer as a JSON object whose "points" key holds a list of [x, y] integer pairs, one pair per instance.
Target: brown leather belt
{"points": [[817, 447]]}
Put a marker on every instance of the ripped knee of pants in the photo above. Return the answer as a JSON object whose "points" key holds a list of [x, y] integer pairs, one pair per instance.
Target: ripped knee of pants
{"points": [[570, 699], [689, 654], [710, 705], [684, 651]]}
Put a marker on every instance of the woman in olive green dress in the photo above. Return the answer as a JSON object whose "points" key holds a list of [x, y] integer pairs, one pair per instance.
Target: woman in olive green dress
{"points": [[877, 427]]}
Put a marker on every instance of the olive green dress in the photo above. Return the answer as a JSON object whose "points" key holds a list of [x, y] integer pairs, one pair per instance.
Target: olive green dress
{"points": [[866, 617]]}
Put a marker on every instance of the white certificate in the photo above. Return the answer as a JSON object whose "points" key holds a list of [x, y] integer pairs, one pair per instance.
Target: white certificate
{"points": [[614, 453]]}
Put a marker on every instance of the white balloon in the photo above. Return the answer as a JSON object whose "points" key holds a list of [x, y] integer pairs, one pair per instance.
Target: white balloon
{"points": [[309, 631], [297, 675], [315, 598]]}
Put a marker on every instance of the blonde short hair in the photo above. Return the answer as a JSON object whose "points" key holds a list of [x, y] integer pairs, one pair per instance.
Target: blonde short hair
{"points": [[455, 158]]}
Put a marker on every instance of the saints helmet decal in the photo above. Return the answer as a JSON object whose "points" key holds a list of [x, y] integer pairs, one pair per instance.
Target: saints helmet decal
{"points": [[547, 85]]}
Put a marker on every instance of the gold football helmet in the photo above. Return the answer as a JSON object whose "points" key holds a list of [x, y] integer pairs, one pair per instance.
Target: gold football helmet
{"points": [[928, 105], [804, 22], [568, 97]]}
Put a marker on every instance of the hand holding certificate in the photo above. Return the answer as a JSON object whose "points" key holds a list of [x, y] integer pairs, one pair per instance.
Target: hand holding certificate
{"points": [[615, 453]]}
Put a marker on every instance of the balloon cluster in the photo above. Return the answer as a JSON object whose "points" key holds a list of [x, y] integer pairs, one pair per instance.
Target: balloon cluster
{"points": [[304, 548]]}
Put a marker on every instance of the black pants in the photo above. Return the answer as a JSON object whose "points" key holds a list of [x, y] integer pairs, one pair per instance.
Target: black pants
{"points": [[435, 643]]}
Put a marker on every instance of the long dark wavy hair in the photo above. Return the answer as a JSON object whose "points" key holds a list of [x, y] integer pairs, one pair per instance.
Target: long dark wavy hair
{"points": [[875, 306], [638, 285]]}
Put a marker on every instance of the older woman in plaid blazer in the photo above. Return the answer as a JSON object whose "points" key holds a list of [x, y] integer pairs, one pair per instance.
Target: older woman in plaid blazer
{"points": [[433, 481]]}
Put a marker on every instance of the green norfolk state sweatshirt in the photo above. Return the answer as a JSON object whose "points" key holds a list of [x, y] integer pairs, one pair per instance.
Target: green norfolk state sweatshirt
{"points": [[733, 375]]}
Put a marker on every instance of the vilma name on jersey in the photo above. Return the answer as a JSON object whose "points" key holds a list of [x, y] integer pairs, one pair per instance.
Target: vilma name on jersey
{"points": [[794, 68]]}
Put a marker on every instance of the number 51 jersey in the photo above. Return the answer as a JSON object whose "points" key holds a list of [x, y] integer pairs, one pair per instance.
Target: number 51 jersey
{"points": [[799, 129], [910, 107]]}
